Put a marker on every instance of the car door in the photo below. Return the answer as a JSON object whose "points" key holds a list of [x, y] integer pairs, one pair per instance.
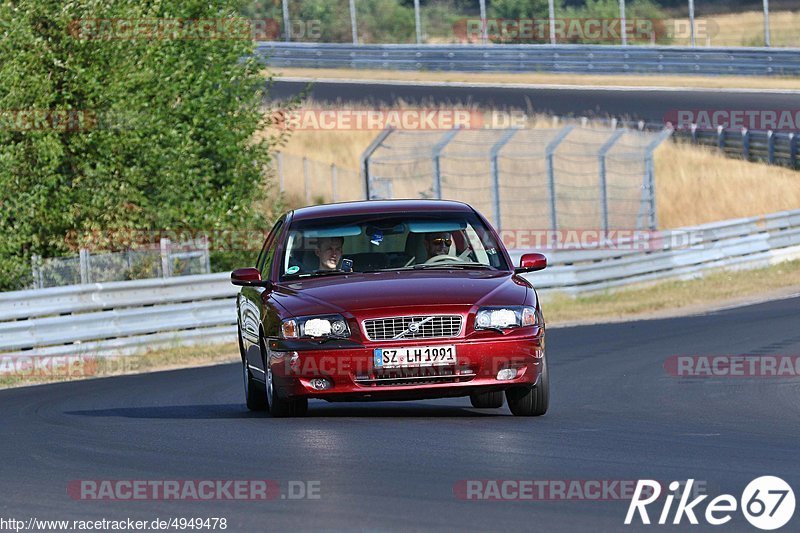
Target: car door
{"points": [[251, 303]]}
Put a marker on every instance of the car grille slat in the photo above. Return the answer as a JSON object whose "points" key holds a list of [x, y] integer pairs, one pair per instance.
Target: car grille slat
{"points": [[428, 327]]}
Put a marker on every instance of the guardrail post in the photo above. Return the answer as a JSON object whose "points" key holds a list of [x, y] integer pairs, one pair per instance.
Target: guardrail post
{"points": [[551, 174], [493, 154], [745, 144], [793, 149], [365, 157], [83, 255], [601, 158], [437, 155], [165, 262], [771, 147]]}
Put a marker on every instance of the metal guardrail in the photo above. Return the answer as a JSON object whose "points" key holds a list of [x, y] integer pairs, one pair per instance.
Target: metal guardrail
{"points": [[600, 59], [123, 317]]}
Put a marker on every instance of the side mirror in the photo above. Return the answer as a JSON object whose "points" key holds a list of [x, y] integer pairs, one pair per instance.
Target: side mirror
{"points": [[531, 263], [248, 277]]}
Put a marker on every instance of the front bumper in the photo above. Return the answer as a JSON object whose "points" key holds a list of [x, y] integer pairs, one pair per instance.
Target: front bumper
{"points": [[349, 368]]}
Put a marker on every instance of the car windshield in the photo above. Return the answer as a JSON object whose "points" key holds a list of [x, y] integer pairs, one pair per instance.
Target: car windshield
{"points": [[375, 242]]}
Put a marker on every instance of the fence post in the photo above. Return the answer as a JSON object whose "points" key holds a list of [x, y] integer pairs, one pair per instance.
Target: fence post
{"points": [[334, 180], [551, 11], [305, 181], [771, 147], [694, 133], [437, 154], [165, 262], [721, 138], [484, 25], [36, 270], [623, 33], [691, 23], [649, 182], [745, 144], [551, 174], [287, 23], [365, 157], [353, 24], [417, 21], [766, 24], [206, 255], [493, 154], [83, 255], [279, 158], [793, 149], [601, 158]]}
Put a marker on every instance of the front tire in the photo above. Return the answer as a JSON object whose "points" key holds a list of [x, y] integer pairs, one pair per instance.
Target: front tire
{"points": [[253, 391], [531, 401], [282, 407], [486, 400]]}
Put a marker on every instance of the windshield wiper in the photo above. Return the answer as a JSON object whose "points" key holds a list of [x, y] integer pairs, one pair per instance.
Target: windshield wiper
{"points": [[465, 266]]}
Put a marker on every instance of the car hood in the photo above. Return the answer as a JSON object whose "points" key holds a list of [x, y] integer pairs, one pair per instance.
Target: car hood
{"points": [[358, 292]]}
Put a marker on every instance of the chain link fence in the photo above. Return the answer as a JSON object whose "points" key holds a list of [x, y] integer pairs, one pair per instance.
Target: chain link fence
{"points": [[558, 178], [166, 261], [314, 182]]}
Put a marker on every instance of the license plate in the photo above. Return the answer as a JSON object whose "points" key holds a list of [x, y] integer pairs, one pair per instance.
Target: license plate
{"points": [[415, 356]]}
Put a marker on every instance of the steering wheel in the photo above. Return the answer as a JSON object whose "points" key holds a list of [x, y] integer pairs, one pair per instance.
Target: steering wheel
{"points": [[443, 259]]}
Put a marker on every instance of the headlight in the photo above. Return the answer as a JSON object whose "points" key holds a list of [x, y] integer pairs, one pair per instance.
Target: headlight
{"points": [[315, 326], [506, 317]]}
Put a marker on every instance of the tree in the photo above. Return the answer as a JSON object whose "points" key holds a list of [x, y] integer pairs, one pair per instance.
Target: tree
{"points": [[160, 129]]}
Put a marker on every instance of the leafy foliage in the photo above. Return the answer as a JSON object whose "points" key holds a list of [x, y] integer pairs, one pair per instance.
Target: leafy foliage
{"points": [[167, 133]]}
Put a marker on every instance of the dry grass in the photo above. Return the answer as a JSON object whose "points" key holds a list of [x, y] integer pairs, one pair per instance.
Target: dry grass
{"points": [[537, 78], [746, 29], [694, 184], [150, 361]]}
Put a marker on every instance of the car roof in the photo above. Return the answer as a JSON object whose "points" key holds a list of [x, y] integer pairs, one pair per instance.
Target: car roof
{"points": [[378, 206]]}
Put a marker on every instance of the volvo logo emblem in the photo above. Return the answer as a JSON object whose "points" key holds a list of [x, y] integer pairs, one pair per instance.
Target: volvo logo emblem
{"points": [[413, 327]]}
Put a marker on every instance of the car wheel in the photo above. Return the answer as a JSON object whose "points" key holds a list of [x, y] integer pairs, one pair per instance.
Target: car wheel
{"points": [[486, 400], [531, 401], [253, 391], [283, 407]]}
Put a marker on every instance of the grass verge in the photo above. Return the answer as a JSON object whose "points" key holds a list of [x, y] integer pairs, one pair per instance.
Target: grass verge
{"points": [[671, 298], [540, 78]]}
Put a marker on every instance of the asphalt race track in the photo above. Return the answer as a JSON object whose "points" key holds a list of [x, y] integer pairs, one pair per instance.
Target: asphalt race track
{"points": [[616, 414], [634, 104]]}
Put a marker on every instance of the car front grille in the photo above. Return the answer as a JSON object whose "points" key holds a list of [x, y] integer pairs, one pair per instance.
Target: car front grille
{"points": [[413, 327], [415, 376]]}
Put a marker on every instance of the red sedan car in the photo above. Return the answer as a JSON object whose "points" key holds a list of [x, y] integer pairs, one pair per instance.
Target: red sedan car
{"points": [[390, 300]]}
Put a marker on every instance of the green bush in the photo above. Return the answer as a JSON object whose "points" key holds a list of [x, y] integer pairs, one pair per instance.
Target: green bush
{"points": [[173, 144]]}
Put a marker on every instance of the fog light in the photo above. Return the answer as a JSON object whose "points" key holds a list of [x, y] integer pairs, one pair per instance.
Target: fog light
{"points": [[506, 374], [320, 384]]}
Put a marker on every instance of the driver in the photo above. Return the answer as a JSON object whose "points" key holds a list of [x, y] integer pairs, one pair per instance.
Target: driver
{"points": [[437, 244], [329, 251]]}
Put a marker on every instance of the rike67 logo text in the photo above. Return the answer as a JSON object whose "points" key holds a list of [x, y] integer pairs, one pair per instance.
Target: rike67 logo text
{"points": [[767, 503]]}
